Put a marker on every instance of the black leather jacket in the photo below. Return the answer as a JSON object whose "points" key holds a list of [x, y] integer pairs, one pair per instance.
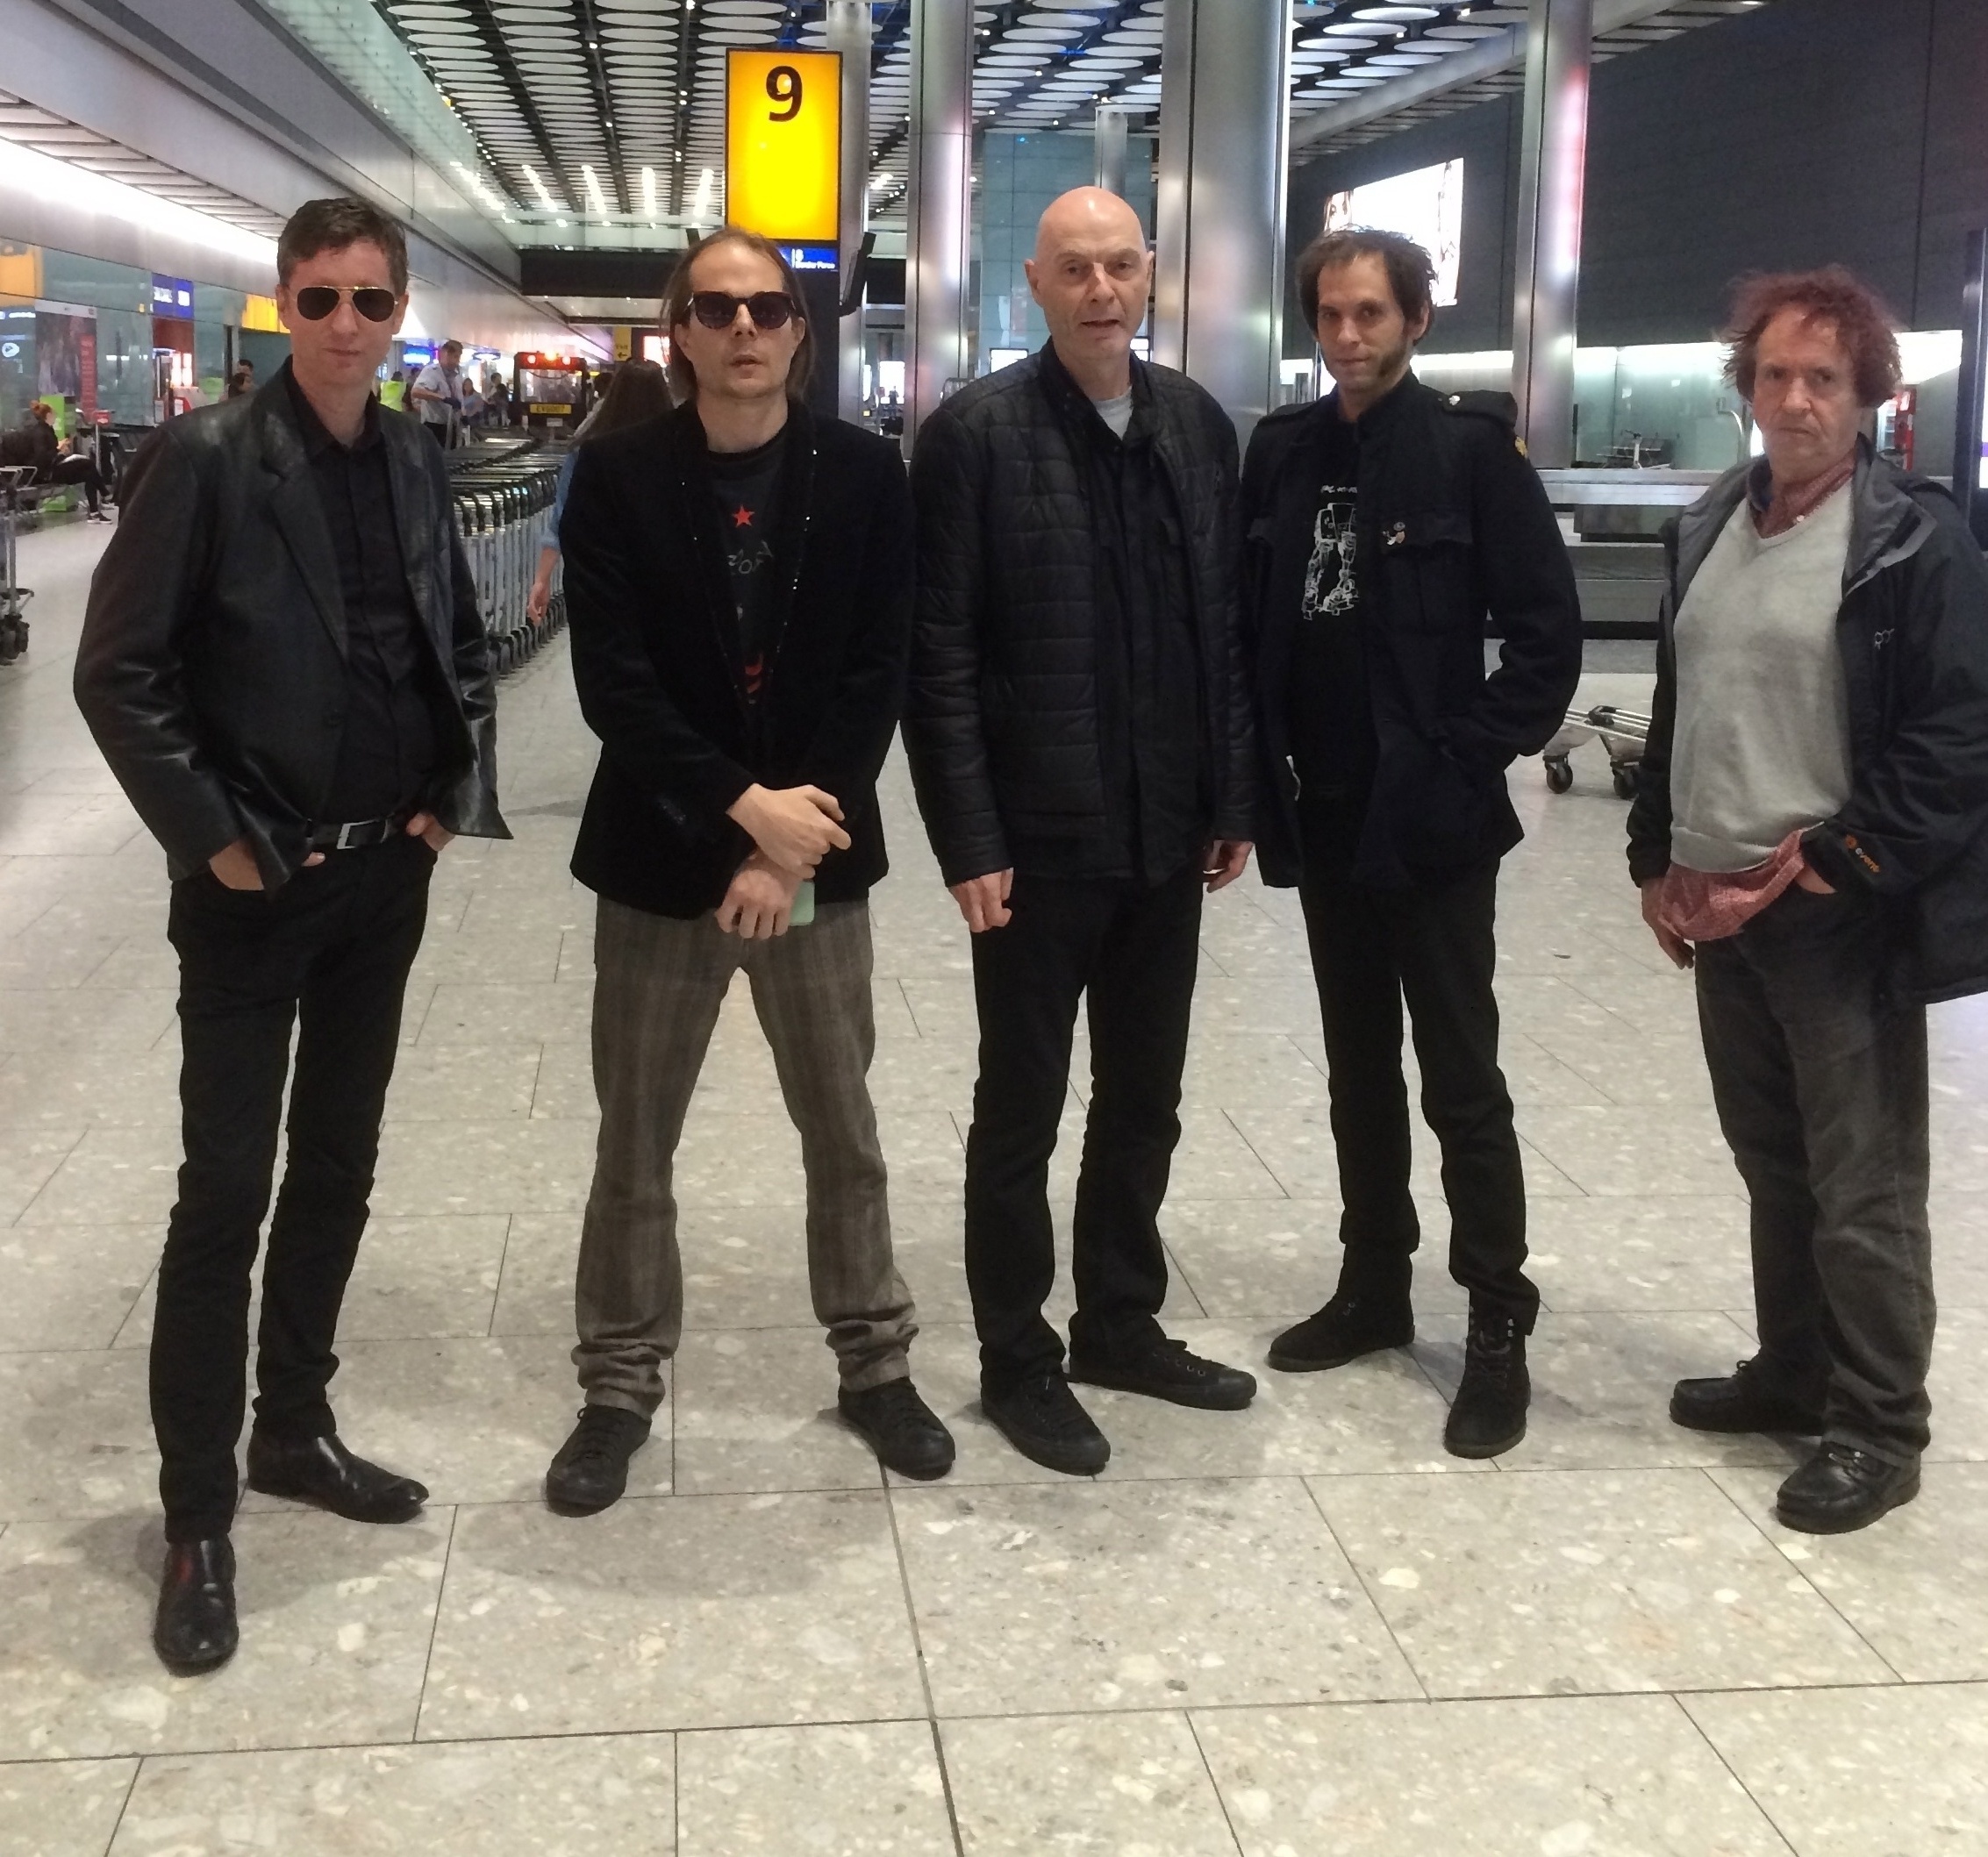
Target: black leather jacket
{"points": [[211, 669], [1912, 635], [1454, 526], [1001, 726]]}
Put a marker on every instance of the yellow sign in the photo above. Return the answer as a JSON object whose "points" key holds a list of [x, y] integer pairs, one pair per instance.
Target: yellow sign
{"points": [[259, 313], [624, 345], [783, 144], [20, 269]]}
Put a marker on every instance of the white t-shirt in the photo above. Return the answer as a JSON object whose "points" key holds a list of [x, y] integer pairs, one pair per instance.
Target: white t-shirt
{"points": [[1116, 413]]}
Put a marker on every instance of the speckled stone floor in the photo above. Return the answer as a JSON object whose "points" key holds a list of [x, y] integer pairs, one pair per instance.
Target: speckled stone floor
{"points": [[1296, 1632]]}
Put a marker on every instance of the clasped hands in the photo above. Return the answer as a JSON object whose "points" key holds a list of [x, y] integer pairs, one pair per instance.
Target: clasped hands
{"points": [[792, 830]]}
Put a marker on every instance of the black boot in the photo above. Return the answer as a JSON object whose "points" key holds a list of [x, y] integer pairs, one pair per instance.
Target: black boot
{"points": [[1742, 1401], [195, 1629], [589, 1471], [1369, 1312], [1841, 1488], [1488, 1416]]}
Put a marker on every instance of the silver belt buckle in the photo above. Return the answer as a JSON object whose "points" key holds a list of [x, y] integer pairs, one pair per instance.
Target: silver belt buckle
{"points": [[343, 842]]}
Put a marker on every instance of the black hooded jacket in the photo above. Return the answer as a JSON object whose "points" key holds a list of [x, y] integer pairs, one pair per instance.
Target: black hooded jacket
{"points": [[1912, 635]]}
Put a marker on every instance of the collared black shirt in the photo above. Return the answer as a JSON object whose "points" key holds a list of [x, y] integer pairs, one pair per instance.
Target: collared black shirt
{"points": [[388, 747], [1151, 710]]}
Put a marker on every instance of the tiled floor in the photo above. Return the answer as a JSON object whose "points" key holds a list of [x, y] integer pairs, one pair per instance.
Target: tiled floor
{"points": [[1297, 1631]]}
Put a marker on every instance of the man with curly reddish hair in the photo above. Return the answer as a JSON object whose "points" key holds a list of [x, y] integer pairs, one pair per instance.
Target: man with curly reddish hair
{"points": [[1808, 833]]}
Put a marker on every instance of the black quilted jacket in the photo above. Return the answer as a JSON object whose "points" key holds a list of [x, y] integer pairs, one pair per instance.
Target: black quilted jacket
{"points": [[1002, 723]]}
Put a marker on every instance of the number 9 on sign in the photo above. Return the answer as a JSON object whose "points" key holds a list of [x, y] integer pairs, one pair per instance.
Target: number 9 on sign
{"points": [[782, 144]]}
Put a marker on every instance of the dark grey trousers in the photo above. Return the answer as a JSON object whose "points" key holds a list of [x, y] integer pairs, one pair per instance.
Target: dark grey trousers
{"points": [[659, 985], [1822, 1091]]}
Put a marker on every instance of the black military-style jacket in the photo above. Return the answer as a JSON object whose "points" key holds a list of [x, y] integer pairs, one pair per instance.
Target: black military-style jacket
{"points": [[1455, 530]]}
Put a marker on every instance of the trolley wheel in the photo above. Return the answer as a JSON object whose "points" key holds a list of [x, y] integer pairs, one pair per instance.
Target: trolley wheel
{"points": [[1559, 774], [1623, 777]]}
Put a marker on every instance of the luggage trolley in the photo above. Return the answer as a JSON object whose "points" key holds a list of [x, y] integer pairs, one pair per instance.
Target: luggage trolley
{"points": [[13, 596], [1625, 733], [500, 498]]}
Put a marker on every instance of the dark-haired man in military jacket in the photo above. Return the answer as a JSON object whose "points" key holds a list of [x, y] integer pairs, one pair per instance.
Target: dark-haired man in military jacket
{"points": [[1382, 525]]}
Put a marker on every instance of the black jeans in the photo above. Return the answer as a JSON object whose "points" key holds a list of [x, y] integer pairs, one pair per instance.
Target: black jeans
{"points": [[1135, 949], [1822, 1091], [76, 468], [1435, 947], [329, 952]]}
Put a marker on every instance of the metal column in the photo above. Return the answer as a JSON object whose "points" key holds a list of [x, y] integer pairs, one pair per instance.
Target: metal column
{"points": [[849, 34], [1224, 145], [1552, 179], [1109, 132], [939, 216]]}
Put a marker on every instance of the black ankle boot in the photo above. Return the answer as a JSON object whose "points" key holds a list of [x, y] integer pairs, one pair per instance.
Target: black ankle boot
{"points": [[1488, 1416], [195, 1629], [1369, 1312]]}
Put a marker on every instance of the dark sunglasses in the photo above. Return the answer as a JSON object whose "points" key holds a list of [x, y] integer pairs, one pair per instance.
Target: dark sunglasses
{"points": [[316, 301], [719, 309]]}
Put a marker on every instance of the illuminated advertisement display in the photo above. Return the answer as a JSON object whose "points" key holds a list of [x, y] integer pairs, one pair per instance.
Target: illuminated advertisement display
{"points": [[1425, 205]]}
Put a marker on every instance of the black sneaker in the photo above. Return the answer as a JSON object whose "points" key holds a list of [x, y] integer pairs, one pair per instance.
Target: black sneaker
{"points": [[1841, 1488], [1488, 1416], [1042, 1419], [1354, 1323], [1741, 1402], [590, 1471], [900, 1427], [1166, 1370]]}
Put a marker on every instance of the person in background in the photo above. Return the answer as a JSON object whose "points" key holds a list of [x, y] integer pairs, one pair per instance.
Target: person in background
{"points": [[242, 381], [437, 395], [53, 459], [283, 663], [1079, 732], [641, 392], [1385, 524], [739, 584], [497, 401], [1808, 837]]}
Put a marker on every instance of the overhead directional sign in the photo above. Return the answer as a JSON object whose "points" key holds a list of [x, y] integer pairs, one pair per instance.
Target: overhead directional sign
{"points": [[783, 144]]}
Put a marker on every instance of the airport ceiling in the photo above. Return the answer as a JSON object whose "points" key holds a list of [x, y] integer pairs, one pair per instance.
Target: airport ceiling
{"points": [[617, 106]]}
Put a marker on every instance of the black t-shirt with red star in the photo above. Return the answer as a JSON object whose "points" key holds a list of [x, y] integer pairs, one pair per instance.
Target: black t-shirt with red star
{"points": [[748, 484]]}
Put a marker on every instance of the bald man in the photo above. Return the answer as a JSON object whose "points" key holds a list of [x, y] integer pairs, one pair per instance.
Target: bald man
{"points": [[1079, 730]]}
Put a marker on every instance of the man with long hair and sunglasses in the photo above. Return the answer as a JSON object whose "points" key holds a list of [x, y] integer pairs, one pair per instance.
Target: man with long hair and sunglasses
{"points": [[739, 585], [283, 665]]}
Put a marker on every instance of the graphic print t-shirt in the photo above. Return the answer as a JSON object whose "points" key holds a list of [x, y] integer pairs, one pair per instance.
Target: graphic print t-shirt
{"points": [[1332, 721], [747, 486]]}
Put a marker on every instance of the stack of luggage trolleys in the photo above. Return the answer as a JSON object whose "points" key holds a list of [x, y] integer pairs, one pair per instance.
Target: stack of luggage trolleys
{"points": [[503, 498]]}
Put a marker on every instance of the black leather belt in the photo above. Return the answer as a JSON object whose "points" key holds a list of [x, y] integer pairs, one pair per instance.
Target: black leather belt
{"points": [[354, 834]]}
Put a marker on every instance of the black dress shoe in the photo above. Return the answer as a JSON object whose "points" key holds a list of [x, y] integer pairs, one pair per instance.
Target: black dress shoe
{"points": [[1488, 1416], [1166, 1370], [321, 1471], [1353, 1324], [589, 1471], [1841, 1488], [1042, 1419], [195, 1629], [1739, 1402], [900, 1427]]}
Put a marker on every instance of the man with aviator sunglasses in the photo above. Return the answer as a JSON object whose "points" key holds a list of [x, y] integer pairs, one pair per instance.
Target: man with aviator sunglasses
{"points": [[739, 581], [284, 667]]}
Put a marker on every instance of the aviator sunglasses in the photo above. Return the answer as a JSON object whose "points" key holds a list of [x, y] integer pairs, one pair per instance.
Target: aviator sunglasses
{"points": [[316, 301], [719, 309]]}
